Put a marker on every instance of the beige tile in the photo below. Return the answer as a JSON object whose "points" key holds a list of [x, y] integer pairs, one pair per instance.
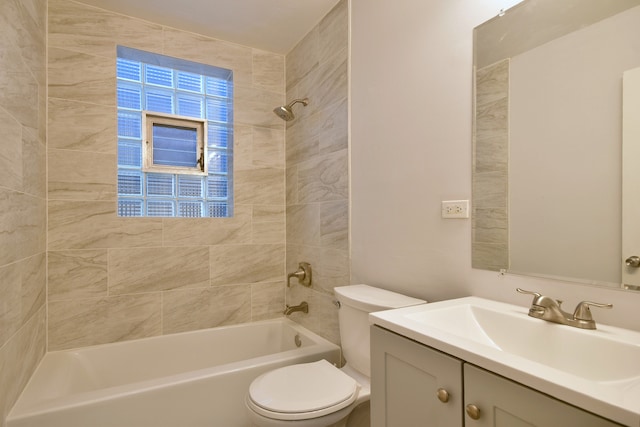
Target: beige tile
{"points": [[334, 224], [267, 300], [324, 179], [303, 139], [333, 124], [268, 147], [93, 225], [206, 50], [18, 87], [254, 106], [303, 224], [81, 77], [34, 164], [234, 264], [491, 152], [242, 147], [82, 126], [77, 323], [292, 185], [323, 314], [82, 175], [19, 358], [264, 186], [268, 71], [208, 231], [492, 83], [330, 266], [83, 28], [22, 226], [268, 232], [490, 226], [268, 213], [487, 256], [490, 190], [77, 274], [190, 309], [11, 154], [139, 270], [492, 118], [327, 85], [34, 284], [303, 58], [334, 32]]}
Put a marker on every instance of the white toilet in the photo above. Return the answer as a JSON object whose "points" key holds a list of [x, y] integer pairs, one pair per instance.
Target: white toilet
{"points": [[318, 394]]}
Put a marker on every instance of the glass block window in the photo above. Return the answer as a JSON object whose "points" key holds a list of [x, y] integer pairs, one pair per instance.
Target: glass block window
{"points": [[186, 168]]}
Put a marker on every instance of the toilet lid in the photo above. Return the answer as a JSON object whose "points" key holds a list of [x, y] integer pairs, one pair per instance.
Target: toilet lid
{"points": [[318, 387]]}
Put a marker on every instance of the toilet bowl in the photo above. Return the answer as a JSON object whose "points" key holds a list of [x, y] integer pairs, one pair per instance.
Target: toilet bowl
{"points": [[318, 394]]}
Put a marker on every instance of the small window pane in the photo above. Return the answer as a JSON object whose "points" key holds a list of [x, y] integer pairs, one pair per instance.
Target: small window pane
{"points": [[217, 136], [129, 124], [163, 208], [190, 209], [130, 183], [217, 187], [217, 87], [217, 110], [189, 81], [130, 153], [190, 106], [216, 209], [130, 207], [175, 146], [159, 101], [158, 76], [129, 96], [217, 161], [160, 184], [190, 186], [130, 70]]}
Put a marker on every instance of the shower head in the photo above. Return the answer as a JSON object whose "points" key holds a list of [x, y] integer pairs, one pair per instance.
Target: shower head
{"points": [[285, 112]]}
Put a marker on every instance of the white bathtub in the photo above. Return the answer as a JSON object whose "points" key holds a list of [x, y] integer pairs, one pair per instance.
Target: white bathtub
{"points": [[195, 378]]}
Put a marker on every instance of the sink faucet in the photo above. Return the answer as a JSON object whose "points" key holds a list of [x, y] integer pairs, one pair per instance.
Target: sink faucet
{"points": [[303, 307], [547, 308]]}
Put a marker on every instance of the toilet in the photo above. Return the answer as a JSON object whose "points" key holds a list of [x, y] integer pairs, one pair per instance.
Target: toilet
{"points": [[318, 394]]}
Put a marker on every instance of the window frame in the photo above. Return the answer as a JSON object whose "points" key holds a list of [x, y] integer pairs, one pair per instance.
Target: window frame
{"points": [[151, 118]]}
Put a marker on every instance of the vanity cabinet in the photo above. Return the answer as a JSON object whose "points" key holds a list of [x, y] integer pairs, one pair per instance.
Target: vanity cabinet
{"points": [[415, 385]]}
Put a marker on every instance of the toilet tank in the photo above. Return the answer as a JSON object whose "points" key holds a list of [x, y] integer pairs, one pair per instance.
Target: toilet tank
{"points": [[356, 302]]}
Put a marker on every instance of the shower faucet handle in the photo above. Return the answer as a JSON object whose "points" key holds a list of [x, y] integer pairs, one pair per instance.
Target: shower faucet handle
{"points": [[303, 273]]}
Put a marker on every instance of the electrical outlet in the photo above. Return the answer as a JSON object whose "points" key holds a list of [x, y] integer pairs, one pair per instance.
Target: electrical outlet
{"points": [[455, 209]]}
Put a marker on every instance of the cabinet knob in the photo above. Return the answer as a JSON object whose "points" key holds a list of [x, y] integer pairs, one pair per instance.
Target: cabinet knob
{"points": [[473, 411], [443, 395]]}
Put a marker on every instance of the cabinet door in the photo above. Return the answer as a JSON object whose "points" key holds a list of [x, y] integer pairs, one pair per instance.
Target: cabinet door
{"points": [[504, 403], [405, 379]]}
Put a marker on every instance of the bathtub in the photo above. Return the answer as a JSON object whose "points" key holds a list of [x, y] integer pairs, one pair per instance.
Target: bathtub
{"points": [[197, 378]]}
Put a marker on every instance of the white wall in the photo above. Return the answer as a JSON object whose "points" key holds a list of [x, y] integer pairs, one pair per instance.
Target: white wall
{"points": [[411, 103]]}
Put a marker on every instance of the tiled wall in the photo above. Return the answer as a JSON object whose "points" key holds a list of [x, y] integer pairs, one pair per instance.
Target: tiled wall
{"points": [[112, 278], [318, 169], [490, 239], [22, 194]]}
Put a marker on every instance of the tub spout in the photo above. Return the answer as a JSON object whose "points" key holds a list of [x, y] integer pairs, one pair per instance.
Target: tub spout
{"points": [[303, 307]]}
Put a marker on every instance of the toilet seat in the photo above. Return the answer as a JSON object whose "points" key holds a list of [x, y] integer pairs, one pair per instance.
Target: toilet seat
{"points": [[303, 391]]}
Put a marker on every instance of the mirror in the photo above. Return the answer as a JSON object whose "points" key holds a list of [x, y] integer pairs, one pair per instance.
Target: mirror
{"points": [[547, 154]]}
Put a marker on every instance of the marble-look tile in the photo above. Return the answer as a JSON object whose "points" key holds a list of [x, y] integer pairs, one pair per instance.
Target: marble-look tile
{"points": [[81, 77], [324, 179], [268, 213], [268, 232], [83, 322], [490, 226], [268, 71], [254, 106], [334, 31], [22, 292], [11, 154], [190, 309], [303, 58], [22, 226], [240, 264], [330, 266], [492, 83], [77, 274], [303, 139], [303, 224], [242, 147], [492, 118], [34, 164], [323, 314], [268, 148], [327, 84], [267, 300], [292, 185], [487, 256], [208, 231], [334, 224], [82, 126], [18, 87], [206, 50], [264, 186], [93, 225], [87, 29], [138, 270], [82, 175], [490, 190], [491, 151], [19, 358]]}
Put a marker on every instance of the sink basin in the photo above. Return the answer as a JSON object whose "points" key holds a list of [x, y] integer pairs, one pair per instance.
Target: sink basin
{"points": [[594, 369], [593, 355]]}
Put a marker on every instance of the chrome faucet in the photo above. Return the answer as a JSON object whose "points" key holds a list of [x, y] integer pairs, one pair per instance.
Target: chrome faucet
{"points": [[303, 307], [546, 308]]}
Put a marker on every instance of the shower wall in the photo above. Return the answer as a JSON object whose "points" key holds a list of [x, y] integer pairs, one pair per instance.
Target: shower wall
{"points": [[22, 194], [113, 279], [318, 169]]}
